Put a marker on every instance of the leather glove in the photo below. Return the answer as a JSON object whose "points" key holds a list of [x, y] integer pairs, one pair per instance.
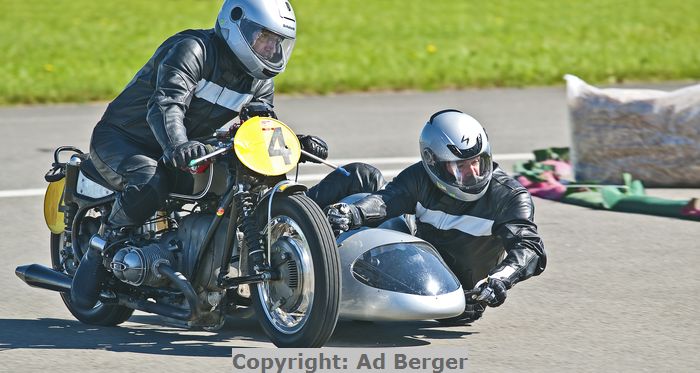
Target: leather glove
{"points": [[180, 155], [313, 145], [493, 292], [473, 310], [343, 217]]}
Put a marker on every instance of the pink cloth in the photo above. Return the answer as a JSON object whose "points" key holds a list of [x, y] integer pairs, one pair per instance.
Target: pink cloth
{"points": [[550, 188], [692, 208], [562, 170]]}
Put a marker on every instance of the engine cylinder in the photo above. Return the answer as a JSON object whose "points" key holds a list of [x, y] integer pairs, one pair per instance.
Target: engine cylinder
{"points": [[137, 265]]}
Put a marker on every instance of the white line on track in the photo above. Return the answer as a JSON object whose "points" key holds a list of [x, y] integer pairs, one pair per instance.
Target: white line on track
{"points": [[388, 174], [306, 177], [21, 193], [409, 160]]}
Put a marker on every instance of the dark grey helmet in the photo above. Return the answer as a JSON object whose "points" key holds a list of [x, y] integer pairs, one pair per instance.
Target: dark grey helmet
{"points": [[456, 153], [261, 33]]}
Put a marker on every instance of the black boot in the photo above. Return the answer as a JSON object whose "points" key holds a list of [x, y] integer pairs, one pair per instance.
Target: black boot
{"points": [[91, 273], [85, 290]]}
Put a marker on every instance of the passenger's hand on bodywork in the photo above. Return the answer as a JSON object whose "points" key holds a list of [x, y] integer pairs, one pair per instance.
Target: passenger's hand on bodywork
{"points": [[343, 217], [473, 310]]}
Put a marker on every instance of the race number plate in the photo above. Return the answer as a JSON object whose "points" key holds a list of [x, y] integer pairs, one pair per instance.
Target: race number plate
{"points": [[53, 206], [267, 146]]}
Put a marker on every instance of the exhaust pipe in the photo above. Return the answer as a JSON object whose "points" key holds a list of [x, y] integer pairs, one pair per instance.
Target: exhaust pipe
{"points": [[185, 314], [46, 278], [43, 277]]}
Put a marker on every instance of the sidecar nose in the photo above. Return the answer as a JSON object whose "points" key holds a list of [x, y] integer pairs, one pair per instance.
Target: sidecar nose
{"points": [[389, 275]]}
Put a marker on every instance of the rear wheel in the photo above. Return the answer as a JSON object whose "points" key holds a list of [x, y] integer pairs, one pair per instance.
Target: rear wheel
{"points": [[101, 314], [300, 308]]}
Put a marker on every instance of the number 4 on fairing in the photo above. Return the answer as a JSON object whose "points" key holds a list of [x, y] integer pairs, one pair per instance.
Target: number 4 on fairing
{"points": [[278, 147]]}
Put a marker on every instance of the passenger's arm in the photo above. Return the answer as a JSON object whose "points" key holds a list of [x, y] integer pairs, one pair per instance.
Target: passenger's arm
{"points": [[525, 255]]}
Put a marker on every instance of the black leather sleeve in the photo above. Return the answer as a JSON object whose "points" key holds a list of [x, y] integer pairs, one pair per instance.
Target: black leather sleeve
{"points": [[266, 92], [177, 76], [363, 178], [397, 198], [524, 248]]}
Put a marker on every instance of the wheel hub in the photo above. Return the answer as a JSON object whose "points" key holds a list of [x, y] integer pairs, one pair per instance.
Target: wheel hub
{"points": [[288, 299]]}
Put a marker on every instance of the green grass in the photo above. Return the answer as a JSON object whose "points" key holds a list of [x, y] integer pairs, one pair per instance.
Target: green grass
{"points": [[81, 50]]}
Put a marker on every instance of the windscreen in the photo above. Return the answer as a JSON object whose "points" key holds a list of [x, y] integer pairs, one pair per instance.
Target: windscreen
{"points": [[411, 268]]}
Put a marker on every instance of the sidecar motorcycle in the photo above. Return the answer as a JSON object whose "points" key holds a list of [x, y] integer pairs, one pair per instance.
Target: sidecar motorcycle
{"points": [[248, 238]]}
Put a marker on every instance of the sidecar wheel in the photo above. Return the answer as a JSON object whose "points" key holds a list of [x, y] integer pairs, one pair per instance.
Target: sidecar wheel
{"points": [[300, 309], [101, 314]]}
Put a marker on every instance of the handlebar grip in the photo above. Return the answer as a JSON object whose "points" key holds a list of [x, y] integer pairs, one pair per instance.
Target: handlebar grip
{"points": [[211, 152]]}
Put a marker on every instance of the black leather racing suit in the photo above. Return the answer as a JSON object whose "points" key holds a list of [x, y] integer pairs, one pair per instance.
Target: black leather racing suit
{"points": [[362, 178], [192, 85], [471, 236]]}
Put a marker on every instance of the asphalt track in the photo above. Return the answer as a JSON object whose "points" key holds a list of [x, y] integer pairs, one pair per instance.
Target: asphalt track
{"points": [[619, 293]]}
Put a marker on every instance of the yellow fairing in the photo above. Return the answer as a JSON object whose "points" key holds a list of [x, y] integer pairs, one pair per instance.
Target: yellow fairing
{"points": [[53, 204], [267, 146]]}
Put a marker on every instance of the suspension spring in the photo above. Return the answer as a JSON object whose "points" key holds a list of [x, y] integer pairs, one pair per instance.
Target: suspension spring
{"points": [[244, 203]]}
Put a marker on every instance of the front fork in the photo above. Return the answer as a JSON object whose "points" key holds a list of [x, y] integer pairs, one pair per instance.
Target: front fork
{"points": [[242, 217], [245, 207], [251, 230]]}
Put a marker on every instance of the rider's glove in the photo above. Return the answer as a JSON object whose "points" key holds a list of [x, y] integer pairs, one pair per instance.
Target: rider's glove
{"points": [[343, 217], [313, 145], [493, 292], [472, 311], [180, 155]]}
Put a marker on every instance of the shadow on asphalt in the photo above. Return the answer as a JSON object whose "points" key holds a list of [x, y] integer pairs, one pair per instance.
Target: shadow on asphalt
{"points": [[149, 334], [156, 339], [393, 334]]}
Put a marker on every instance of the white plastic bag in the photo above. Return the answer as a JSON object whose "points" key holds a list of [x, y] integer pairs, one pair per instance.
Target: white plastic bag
{"points": [[653, 135]]}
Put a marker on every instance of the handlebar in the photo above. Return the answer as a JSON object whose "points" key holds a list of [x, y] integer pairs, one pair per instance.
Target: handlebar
{"points": [[213, 153], [223, 148], [321, 160]]}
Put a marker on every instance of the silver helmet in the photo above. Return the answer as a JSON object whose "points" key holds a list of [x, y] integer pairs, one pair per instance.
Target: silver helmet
{"points": [[261, 33], [456, 153]]}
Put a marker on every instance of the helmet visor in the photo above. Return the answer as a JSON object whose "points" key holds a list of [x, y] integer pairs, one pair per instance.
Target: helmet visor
{"points": [[465, 174], [272, 49]]}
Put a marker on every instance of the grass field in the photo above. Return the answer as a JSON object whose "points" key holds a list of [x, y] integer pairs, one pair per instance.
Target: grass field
{"points": [[81, 50]]}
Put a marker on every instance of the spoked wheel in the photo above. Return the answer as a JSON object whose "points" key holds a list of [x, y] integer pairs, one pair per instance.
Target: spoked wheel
{"points": [[300, 307], [101, 314]]}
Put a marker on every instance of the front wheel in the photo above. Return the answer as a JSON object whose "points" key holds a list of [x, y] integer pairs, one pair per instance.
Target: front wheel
{"points": [[300, 307]]}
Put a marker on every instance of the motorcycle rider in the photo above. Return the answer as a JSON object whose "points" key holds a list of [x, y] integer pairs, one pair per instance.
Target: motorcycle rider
{"points": [[465, 206], [195, 82]]}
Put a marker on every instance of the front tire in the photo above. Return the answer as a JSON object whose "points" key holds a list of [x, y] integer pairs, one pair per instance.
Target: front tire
{"points": [[101, 314], [300, 309]]}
